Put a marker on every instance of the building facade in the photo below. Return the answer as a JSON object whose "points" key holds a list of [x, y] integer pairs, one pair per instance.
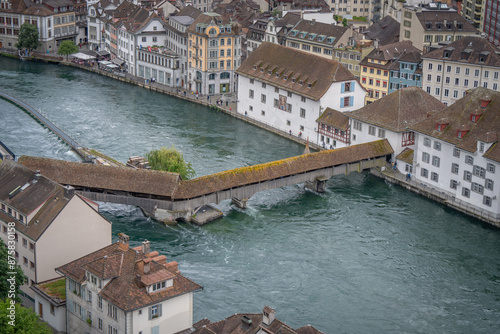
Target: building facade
{"points": [[473, 11], [120, 289], [214, 54], [407, 72], [290, 89], [449, 72], [491, 25]]}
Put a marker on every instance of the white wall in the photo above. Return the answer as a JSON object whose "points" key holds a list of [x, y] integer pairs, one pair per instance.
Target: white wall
{"points": [[56, 320]]}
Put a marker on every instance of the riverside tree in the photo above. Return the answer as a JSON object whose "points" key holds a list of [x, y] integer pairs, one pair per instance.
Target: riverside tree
{"points": [[170, 160], [17, 319], [28, 37], [10, 284], [67, 47]]}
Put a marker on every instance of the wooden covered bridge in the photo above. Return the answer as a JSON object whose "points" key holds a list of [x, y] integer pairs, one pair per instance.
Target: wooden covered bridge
{"points": [[166, 195]]}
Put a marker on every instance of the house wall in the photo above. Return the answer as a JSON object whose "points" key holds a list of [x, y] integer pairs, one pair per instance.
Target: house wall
{"points": [[57, 320], [75, 232], [363, 135]]}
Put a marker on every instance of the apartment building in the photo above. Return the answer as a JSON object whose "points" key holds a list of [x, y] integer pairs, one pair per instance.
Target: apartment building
{"points": [[457, 153], [491, 18], [351, 56], [54, 19], [214, 54], [406, 72], [53, 225], [376, 66], [120, 289], [371, 9], [427, 26], [473, 11], [290, 89], [449, 72], [97, 13]]}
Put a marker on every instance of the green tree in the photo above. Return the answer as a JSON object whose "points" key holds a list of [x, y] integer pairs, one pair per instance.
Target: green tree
{"points": [[344, 22], [67, 47], [28, 37], [11, 275], [170, 160], [17, 319]]}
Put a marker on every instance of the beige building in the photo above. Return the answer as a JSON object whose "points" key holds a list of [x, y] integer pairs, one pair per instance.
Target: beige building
{"points": [[49, 224], [449, 72], [428, 26], [120, 289], [474, 10]]}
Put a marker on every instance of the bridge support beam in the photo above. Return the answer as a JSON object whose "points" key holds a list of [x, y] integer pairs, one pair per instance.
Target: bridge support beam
{"points": [[318, 185], [240, 203]]}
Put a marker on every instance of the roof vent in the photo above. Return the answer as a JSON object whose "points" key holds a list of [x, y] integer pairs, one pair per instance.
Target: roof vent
{"points": [[246, 320]]}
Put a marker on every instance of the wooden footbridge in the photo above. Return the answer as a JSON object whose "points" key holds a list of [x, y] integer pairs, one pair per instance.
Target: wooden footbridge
{"points": [[166, 196]]}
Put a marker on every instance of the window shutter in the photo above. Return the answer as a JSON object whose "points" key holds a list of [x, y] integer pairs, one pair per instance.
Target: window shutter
{"points": [[353, 84], [351, 101], [342, 90], [341, 102], [149, 313], [70, 305], [159, 310]]}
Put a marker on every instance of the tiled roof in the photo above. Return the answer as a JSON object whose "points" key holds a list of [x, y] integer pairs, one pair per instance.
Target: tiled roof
{"points": [[389, 52], [385, 30], [434, 21], [467, 50], [406, 155], [334, 118], [27, 8], [125, 289], [289, 63], [277, 169], [43, 192], [317, 32], [458, 115], [100, 176], [189, 11], [399, 110], [210, 18]]}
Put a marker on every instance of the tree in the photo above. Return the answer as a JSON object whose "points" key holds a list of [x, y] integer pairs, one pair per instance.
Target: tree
{"points": [[344, 22], [170, 160], [11, 274], [67, 47], [17, 319], [28, 37]]}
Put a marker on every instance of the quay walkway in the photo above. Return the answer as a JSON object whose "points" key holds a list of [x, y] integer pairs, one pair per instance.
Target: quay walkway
{"points": [[77, 148]]}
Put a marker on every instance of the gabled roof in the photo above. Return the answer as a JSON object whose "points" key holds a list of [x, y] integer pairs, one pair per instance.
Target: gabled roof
{"points": [[309, 30], [386, 31], [399, 110], [389, 54], [468, 50], [335, 119], [321, 72], [25, 192], [189, 11], [208, 18], [458, 117], [433, 20], [123, 266]]}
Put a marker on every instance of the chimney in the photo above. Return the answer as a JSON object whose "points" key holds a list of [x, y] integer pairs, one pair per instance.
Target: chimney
{"points": [[69, 191], [123, 241], [37, 174], [147, 265], [145, 247], [268, 315]]}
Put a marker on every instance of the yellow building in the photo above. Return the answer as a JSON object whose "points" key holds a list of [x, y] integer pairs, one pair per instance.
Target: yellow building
{"points": [[375, 68], [214, 52]]}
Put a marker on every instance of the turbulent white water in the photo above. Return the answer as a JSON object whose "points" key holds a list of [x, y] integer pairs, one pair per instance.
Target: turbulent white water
{"points": [[365, 257]]}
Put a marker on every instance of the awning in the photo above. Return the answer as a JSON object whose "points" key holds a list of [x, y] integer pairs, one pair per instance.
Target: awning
{"points": [[82, 56], [118, 61], [103, 53]]}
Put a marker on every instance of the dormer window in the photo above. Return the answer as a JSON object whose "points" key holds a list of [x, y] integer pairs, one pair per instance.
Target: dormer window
{"points": [[441, 124], [476, 115], [483, 56], [462, 131], [439, 25], [428, 25], [277, 75], [459, 25], [485, 101], [254, 67], [285, 77], [159, 286]]}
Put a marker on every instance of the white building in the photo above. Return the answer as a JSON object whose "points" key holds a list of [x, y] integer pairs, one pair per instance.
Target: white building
{"points": [[457, 153], [159, 64], [391, 117], [119, 289], [289, 89], [53, 225], [468, 63], [97, 12], [50, 303]]}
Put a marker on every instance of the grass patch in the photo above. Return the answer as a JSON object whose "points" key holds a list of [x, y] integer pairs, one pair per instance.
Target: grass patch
{"points": [[55, 288]]}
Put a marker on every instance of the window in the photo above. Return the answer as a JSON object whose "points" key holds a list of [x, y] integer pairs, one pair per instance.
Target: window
{"points": [[469, 160], [25, 242], [448, 69], [456, 152], [250, 94], [477, 188], [487, 200], [251, 81], [112, 311], [302, 113], [303, 99], [430, 67], [434, 177], [99, 323], [479, 171], [381, 133], [25, 261], [288, 107], [467, 176], [263, 113], [357, 125], [371, 130], [437, 146], [453, 184], [438, 91], [435, 161], [466, 82], [476, 73], [263, 98], [429, 77], [424, 173], [491, 168], [454, 168], [99, 302], [427, 142], [446, 92], [438, 78], [488, 184], [425, 157], [289, 94], [466, 192]]}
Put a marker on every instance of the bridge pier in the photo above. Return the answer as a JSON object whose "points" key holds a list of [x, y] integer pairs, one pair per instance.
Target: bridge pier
{"points": [[318, 185], [240, 203]]}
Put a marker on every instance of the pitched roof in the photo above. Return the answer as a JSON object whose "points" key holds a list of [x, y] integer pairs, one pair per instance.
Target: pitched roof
{"points": [[390, 54], [124, 267], [468, 50], [406, 155], [208, 18], [313, 31], [290, 63], [433, 20], [189, 11], [100, 176], [385, 30], [399, 110], [458, 117], [334, 118], [29, 193]]}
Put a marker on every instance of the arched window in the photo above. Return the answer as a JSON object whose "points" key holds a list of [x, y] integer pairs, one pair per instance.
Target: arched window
{"points": [[225, 75], [212, 32]]}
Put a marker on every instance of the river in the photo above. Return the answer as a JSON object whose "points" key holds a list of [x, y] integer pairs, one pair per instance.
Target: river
{"points": [[364, 257]]}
